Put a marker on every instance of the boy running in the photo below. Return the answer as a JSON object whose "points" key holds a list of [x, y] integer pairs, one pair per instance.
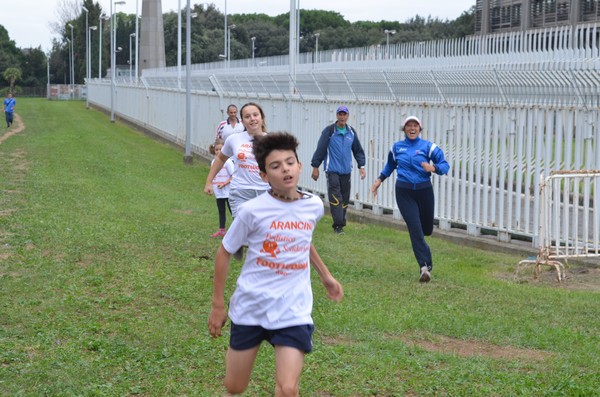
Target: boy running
{"points": [[273, 296]]}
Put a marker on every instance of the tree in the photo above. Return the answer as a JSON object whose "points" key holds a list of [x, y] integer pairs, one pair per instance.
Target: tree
{"points": [[34, 67], [66, 11], [465, 23], [9, 53], [12, 75]]}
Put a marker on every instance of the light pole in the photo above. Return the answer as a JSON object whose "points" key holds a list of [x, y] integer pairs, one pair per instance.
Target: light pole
{"points": [[89, 63], [72, 63], [387, 40], [48, 75], [317, 35], [187, 159], [102, 17], [253, 40], [232, 26], [113, 44], [70, 72], [298, 30], [132, 35], [179, 44], [293, 47], [137, 35], [87, 48], [192, 15], [225, 31]]}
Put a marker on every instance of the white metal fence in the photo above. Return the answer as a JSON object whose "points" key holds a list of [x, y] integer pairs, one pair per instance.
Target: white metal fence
{"points": [[518, 106], [569, 219]]}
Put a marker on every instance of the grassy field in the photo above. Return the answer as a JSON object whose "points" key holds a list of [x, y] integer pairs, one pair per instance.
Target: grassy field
{"points": [[105, 286]]}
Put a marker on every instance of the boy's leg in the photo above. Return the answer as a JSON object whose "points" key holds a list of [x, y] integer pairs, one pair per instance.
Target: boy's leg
{"points": [[288, 367], [238, 367]]}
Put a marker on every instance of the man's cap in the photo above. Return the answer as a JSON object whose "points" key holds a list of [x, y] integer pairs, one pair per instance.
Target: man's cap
{"points": [[342, 109], [411, 118]]}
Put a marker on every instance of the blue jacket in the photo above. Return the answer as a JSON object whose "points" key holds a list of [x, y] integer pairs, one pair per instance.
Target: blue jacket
{"points": [[335, 150], [406, 157], [9, 104]]}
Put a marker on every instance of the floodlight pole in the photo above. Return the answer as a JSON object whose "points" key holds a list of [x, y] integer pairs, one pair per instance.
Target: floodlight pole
{"points": [[113, 44], [87, 56], [102, 17], [188, 84], [131, 36], [72, 64], [387, 40]]}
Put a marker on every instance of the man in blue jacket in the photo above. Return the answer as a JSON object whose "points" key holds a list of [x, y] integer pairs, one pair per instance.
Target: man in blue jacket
{"points": [[337, 144]]}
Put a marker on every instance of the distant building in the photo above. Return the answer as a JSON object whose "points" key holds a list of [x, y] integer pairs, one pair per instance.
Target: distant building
{"points": [[495, 16]]}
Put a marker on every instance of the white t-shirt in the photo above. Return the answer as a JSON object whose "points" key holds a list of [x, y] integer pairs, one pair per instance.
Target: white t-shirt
{"points": [[274, 289], [225, 129], [222, 176], [238, 147]]}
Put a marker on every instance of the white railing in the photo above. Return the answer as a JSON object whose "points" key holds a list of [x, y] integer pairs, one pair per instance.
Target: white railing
{"points": [[500, 124], [561, 43], [569, 220]]}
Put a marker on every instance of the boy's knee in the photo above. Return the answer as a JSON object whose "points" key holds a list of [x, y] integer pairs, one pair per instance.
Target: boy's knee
{"points": [[288, 390]]}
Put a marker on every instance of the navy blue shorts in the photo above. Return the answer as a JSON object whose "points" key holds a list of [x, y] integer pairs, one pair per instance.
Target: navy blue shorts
{"points": [[245, 337]]}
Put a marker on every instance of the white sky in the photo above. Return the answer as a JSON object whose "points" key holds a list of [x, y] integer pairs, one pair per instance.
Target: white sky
{"points": [[27, 21]]}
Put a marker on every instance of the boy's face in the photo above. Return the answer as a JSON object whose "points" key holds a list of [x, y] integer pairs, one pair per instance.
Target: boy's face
{"points": [[283, 170]]}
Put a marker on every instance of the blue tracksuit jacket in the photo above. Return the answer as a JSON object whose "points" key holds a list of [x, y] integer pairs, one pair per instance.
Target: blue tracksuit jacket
{"points": [[406, 157], [335, 150]]}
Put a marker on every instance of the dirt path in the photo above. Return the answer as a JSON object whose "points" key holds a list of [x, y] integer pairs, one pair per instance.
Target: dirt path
{"points": [[17, 127]]}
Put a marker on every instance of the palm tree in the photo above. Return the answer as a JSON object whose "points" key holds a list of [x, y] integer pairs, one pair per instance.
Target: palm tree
{"points": [[12, 75]]}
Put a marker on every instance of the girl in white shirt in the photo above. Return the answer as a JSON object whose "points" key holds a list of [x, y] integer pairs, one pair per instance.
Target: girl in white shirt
{"points": [[221, 184]]}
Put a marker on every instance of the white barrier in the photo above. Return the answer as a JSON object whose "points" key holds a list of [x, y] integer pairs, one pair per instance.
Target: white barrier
{"points": [[569, 224], [504, 108]]}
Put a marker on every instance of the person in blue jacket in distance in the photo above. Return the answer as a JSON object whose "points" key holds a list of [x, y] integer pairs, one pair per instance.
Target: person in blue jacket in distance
{"points": [[336, 146], [414, 160]]}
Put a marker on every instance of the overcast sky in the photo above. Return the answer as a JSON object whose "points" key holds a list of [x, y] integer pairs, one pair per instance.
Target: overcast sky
{"points": [[27, 21]]}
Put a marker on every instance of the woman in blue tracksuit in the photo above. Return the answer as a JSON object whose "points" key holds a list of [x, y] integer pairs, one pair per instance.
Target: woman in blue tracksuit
{"points": [[414, 159]]}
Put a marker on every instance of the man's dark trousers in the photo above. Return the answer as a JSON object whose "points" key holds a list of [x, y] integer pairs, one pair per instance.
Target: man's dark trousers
{"points": [[338, 190]]}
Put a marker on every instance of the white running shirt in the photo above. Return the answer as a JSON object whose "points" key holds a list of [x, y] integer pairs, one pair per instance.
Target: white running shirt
{"points": [[238, 147], [222, 176], [274, 289], [224, 129]]}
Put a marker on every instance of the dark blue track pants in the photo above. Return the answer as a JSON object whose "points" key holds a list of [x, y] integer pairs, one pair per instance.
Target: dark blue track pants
{"points": [[338, 190], [416, 207]]}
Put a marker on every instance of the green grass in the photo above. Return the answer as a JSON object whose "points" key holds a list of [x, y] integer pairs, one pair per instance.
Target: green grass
{"points": [[105, 288]]}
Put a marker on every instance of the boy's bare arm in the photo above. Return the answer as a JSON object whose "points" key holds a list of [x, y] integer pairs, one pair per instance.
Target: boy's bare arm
{"points": [[218, 314], [335, 291]]}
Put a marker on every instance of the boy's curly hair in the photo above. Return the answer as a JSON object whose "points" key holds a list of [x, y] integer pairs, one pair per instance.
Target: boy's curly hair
{"points": [[265, 144]]}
